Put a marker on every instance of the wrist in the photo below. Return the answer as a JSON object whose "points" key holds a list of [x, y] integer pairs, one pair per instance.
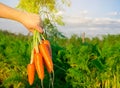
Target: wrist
{"points": [[20, 16]]}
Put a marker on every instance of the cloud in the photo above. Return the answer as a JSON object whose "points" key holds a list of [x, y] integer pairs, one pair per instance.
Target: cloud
{"points": [[92, 22], [115, 13], [83, 12], [92, 26]]}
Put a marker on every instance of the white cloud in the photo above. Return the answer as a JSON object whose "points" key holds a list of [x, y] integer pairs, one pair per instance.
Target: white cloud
{"points": [[83, 12], [115, 13], [91, 26], [91, 22]]}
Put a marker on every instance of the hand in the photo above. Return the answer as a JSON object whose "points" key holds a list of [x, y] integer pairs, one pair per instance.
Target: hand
{"points": [[31, 21]]}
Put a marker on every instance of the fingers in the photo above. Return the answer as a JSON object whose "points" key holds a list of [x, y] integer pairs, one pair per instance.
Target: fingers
{"points": [[31, 30], [39, 29], [32, 22]]}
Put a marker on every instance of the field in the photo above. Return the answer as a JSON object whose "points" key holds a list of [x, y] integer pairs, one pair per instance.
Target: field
{"points": [[94, 63]]}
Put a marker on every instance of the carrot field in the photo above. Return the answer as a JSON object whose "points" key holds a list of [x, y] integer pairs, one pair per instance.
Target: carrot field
{"points": [[94, 63]]}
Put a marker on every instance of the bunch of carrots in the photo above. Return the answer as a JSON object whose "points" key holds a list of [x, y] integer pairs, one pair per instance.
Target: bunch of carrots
{"points": [[41, 55]]}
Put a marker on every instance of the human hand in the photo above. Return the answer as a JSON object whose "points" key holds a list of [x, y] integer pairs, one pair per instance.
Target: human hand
{"points": [[31, 21]]}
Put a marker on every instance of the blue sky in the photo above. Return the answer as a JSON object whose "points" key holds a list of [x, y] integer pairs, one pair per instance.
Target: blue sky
{"points": [[95, 8], [94, 17]]}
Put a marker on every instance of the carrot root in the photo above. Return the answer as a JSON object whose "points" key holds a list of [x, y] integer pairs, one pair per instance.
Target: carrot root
{"points": [[31, 73], [39, 65]]}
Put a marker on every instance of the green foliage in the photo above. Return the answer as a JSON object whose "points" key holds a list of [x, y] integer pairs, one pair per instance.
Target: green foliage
{"points": [[14, 57], [48, 9], [49, 13], [92, 64]]}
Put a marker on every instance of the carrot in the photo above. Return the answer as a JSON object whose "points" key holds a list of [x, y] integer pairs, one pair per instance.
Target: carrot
{"points": [[31, 73], [46, 57], [34, 52], [48, 45], [39, 65]]}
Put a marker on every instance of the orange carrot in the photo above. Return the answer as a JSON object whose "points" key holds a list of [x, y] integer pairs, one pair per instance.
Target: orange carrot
{"points": [[46, 57], [34, 52], [48, 45], [39, 65], [31, 73]]}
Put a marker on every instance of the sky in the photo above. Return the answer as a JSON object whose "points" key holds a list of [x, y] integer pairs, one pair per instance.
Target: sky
{"points": [[94, 17]]}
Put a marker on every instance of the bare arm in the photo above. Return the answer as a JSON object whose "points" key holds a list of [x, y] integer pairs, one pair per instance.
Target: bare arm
{"points": [[29, 20]]}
